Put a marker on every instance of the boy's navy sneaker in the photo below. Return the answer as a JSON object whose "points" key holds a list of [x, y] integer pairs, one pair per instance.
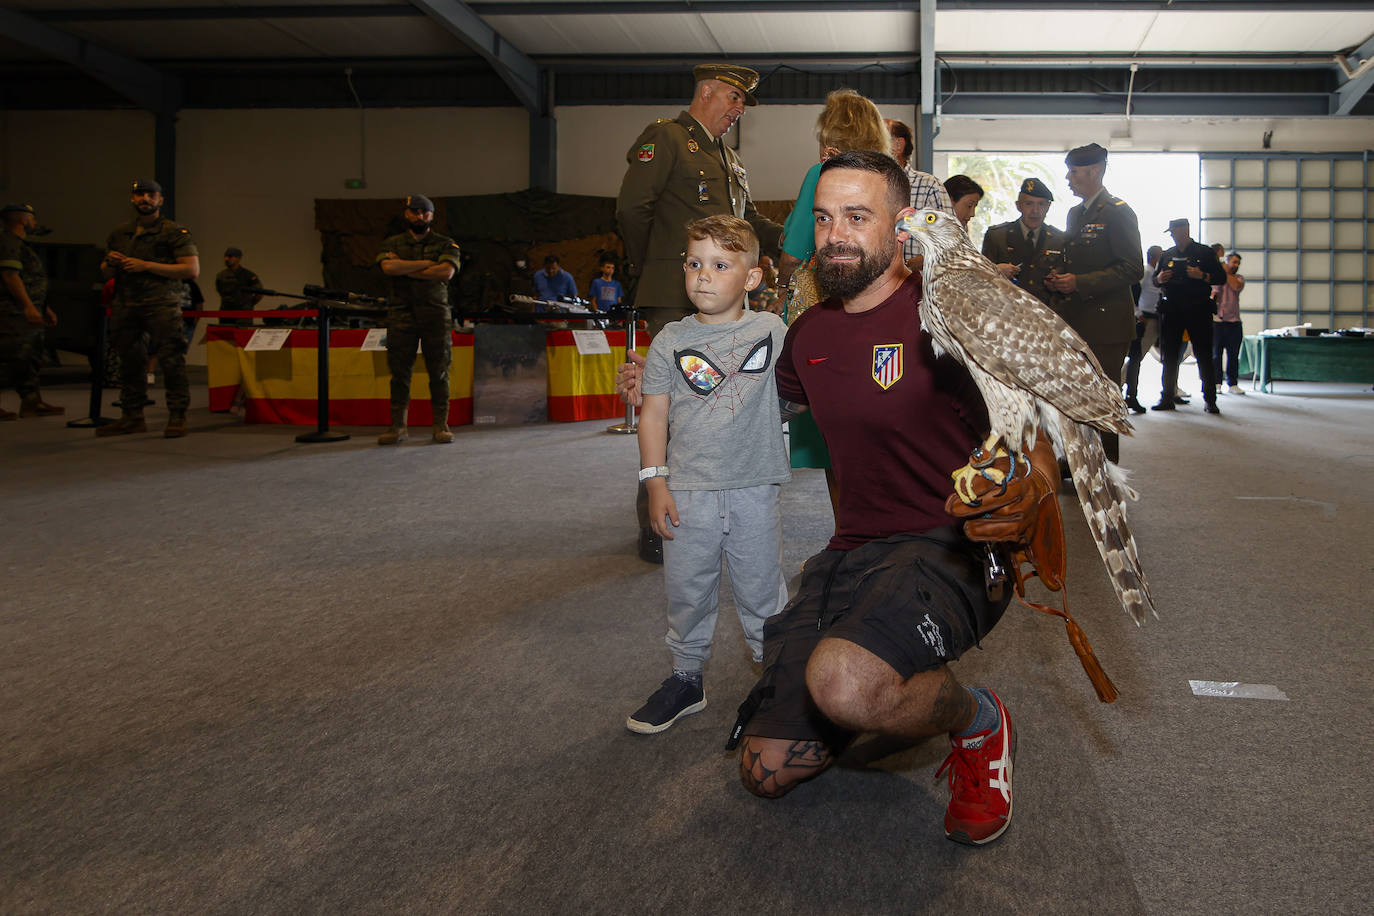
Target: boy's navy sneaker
{"points": [[674, 699]]}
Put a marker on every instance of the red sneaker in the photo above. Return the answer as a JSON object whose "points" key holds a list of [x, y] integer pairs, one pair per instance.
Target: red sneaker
{"points": [[980, 783]]}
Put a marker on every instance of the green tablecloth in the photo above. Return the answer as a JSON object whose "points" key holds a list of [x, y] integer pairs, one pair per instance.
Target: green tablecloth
{"points": [[1308, 359]]}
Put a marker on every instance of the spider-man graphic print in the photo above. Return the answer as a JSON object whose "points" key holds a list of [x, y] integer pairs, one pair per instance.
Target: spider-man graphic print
{"points": [[711, 373], [723, 422]]}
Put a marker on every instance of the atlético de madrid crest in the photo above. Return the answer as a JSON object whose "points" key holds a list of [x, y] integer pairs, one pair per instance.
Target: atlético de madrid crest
{"points": [[887, 364]]}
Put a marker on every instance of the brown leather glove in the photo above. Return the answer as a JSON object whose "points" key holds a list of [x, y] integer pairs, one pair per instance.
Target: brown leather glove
{"points": [[1023, 515]]}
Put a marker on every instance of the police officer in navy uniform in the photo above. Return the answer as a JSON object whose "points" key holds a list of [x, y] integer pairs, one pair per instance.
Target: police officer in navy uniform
{"points": [[1185, 276], [681, 170], [150, 259], [1091, 290], [1025, 249]]}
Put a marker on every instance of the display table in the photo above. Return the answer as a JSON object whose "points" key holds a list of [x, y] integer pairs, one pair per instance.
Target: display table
{"points": [[583, 387], [1307, 359], [281, 386]]}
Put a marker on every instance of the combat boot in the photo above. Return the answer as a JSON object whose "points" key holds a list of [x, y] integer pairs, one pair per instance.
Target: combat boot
{"points": [[34, 406], [123, 426], [176, 426], [7, 415], [396, 434], [442, 433]]}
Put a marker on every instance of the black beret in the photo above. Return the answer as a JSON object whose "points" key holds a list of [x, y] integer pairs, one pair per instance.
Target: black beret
{"points": [[1034, 187], [232, 252], [1086, 155], [419, 203], [146, 184], [17, 208]]}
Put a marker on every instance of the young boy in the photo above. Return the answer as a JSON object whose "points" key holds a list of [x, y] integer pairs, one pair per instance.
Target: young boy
{"points": [[715, 489], [606, 290]]}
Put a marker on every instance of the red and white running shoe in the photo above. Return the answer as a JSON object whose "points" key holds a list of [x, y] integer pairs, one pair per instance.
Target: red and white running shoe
{"points": [[980, 782]]}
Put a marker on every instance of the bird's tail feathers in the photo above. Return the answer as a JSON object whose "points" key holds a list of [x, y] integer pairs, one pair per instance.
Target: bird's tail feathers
{"points": [[1102, 491]]}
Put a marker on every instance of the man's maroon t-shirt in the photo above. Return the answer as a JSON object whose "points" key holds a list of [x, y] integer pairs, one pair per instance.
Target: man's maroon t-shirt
{"points": [[897, 420]]}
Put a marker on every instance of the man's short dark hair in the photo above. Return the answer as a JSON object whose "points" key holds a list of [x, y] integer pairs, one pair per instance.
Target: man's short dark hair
{"points": [[1236, 255], [900, 129], [551, 259], [867, 160]]}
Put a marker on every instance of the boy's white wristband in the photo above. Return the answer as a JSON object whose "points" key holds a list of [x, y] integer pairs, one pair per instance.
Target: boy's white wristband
{"points": [[646, 473]]}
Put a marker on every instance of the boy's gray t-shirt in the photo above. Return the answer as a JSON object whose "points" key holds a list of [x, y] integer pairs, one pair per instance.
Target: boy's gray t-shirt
{"points": [[724, 429]]}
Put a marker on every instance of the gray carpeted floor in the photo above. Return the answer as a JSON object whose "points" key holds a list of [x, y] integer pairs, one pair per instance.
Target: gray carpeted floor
{"points": [[246, 675]]}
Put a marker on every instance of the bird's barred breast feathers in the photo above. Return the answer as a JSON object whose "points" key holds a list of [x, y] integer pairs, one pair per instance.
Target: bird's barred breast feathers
{"points": [[1007, 332]]}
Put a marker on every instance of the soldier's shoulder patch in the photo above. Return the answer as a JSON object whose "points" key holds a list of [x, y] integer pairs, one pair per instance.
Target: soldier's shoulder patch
{"points": [[1119, 203], [645, 153]]}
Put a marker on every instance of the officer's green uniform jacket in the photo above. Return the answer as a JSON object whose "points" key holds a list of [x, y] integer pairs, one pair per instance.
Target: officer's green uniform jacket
{"points": [[1006, 244], [16, 255], [1102, 250], [235, 287], [419, 300], [676, 174], [164, 242]]}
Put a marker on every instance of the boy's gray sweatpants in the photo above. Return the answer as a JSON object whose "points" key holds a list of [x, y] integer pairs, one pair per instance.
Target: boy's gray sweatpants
{"points": [[744, 526]]}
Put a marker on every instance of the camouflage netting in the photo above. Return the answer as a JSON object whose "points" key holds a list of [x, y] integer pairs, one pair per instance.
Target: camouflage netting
{"points": [[493, 230]]}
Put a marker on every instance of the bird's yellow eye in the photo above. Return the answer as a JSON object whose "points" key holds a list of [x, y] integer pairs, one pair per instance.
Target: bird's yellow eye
{"points": [[930, 217]]}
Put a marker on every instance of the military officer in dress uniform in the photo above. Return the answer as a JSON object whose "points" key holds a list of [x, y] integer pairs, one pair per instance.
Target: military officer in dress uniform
{"points": [[235, 285], [1102, 258], [1025, 249], [23, 312], [419, 263], [680, 170], [150, 259]]}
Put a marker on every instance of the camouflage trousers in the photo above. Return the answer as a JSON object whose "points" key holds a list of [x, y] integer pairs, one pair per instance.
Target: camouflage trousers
{"points": [[434, 335], [21, 355], [163, 326]]}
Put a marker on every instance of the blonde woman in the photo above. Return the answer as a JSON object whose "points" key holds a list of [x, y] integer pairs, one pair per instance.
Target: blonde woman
{"points": [[848, 122]]}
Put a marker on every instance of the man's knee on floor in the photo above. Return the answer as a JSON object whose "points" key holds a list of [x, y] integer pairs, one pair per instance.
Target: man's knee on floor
{"points": [[772, 767]]}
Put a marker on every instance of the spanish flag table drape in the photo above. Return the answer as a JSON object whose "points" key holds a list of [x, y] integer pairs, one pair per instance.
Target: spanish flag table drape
{"points": [[583, 387], [280, 386]]}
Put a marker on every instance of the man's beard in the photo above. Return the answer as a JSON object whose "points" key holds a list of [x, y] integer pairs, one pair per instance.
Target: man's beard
{"points": [[145, 209], [418, 227], [845, 281]]}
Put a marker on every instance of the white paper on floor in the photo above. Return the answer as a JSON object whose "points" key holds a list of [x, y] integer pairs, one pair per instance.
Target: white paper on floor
{"points": [[1237, 690]]}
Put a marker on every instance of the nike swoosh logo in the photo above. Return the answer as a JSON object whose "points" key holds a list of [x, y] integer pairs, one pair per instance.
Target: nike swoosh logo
{"points": [[817, 359]]}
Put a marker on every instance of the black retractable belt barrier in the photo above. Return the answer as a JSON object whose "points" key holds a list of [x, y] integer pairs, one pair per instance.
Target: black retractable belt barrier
{"points": [[322, 433], [93, 418]]}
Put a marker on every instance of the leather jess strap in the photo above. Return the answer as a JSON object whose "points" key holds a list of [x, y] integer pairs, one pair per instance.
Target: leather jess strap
{"points": [[1022, 517]]}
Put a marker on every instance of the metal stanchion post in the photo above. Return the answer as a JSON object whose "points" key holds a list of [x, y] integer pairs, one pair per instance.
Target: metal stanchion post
{"points": [[93, 418], [629, 427], [322, 434]]}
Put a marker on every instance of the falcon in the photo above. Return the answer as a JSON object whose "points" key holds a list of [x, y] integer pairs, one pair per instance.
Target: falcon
{"points": [[1035, 374]]}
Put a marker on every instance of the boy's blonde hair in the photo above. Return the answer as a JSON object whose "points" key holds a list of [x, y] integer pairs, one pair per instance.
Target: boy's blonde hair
{"points": [[729, 232], [851, 121]]}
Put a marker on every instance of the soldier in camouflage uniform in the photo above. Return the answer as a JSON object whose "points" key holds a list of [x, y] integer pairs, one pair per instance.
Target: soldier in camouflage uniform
{"points": [[420, 263], [23, 312], [151, 258], [679, 170], [235, 285]]}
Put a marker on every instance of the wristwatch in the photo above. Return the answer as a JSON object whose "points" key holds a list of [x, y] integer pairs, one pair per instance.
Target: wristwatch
{"points": [[646, 473]]}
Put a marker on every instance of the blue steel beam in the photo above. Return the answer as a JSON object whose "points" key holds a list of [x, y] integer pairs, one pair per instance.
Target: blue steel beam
{"points": [[141, 84], [518, 71], [1349, 93]]}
